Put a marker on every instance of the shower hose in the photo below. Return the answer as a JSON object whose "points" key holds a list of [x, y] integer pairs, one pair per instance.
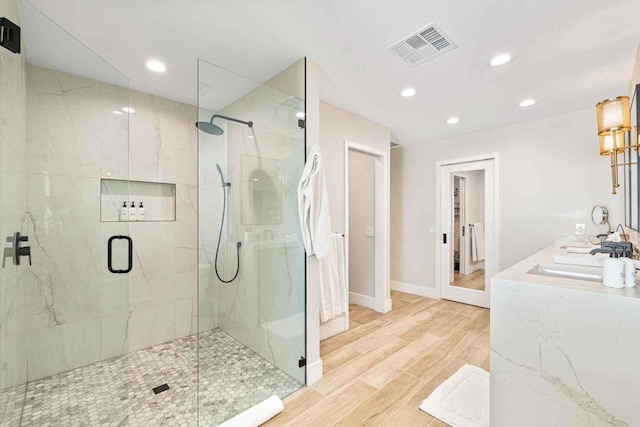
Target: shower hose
{"points": [[238, 244]]}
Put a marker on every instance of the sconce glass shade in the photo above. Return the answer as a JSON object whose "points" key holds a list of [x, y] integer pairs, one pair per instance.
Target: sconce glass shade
{"points": [[614, 115], [607, 142]]}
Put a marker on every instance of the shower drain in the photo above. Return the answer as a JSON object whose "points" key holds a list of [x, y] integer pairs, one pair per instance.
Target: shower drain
{"points": [[161, 388]]}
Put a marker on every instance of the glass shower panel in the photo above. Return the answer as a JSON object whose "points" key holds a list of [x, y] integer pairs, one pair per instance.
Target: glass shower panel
{"points": [[69, 131], [13, 367], [251, 284]]}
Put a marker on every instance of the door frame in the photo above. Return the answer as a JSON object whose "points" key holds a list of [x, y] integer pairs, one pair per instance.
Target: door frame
{"points": [[492, 266], [382, 288]]}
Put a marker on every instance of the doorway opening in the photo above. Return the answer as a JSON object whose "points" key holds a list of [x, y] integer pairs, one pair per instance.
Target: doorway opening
{"points": [[367, 226], [467, 206]]}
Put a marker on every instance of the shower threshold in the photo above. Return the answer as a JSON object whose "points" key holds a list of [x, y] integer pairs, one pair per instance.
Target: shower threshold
{"points": [[120, 392]]}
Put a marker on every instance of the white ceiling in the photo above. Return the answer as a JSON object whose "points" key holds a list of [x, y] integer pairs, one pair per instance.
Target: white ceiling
{"points": [[569, 53]]}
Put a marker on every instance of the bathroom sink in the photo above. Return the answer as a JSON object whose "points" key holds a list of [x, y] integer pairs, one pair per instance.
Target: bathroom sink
{"points": [[576, 272]]}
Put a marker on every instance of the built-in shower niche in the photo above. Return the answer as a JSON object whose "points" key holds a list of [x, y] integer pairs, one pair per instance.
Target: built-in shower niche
{"points": [[158, 199]]}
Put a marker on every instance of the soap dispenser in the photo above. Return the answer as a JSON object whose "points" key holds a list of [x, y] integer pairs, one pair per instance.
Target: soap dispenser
{"points": [[132, 212], [124, 212], [140, 213]]}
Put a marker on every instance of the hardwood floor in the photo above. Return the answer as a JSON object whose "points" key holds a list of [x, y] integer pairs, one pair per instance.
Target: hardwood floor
{"points": [[379, 371], [474, 280]]}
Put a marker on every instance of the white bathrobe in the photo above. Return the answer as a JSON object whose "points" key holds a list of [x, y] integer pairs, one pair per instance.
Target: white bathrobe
{"points": [[313, 206]]}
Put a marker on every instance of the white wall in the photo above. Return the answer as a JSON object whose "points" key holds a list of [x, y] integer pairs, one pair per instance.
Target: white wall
{"points": [[336, 126], [361, 216], [550, 178]]}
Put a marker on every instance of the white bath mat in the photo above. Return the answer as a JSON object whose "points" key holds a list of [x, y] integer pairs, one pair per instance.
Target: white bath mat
{"points": [[462, 400]]}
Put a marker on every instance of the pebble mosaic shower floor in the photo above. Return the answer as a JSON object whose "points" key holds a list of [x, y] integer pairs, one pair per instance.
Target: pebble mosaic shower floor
{"points": [[119, 392]]}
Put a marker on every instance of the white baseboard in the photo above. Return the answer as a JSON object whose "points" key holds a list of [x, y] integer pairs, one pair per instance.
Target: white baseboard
{"points": [[363, 300], [333, 327], [314, 372], [408, 288]]}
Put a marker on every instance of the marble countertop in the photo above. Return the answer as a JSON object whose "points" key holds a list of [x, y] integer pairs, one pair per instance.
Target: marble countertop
{"points": [[518, 273]]}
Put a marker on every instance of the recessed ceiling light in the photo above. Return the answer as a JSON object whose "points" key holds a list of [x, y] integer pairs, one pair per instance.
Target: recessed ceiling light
{"points": [[156, 66], [498, 60], [117, 113], [453, 121], [408, 92], [527, 102], [249, 136], [300, 115], [128, 110]]}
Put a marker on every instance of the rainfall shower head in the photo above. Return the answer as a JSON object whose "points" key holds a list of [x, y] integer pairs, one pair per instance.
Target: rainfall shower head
{"points": [[209, 128], [212, 129]]}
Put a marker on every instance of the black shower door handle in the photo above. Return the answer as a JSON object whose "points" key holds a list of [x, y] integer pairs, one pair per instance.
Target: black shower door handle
{"points": [[110, 254]]}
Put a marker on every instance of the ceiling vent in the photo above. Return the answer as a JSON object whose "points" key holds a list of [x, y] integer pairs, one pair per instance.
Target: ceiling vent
{"points": [[423, 45]]}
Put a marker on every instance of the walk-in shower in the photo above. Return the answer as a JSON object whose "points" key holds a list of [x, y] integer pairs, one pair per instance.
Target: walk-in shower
{"points": [[121, 320]]}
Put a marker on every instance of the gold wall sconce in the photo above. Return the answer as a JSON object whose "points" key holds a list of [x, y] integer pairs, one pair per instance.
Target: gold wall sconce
{"points": [[614, 121]]}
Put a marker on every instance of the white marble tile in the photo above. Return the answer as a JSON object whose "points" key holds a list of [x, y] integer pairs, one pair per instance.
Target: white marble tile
{"points": [[61, 348], [165, 147], [150, 326], [186, 318], [64, 239], [69, 121], [152, 280], [114, 335], [563, 356]]}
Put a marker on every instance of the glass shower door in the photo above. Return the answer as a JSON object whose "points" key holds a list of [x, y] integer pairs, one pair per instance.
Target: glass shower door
{"points": [[13, 367], [65, 311], [251, 284]]}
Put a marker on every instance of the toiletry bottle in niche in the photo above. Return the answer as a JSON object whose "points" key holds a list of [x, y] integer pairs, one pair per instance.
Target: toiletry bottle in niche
{"points": [[140, 213], [124, 212], [132, 212]]}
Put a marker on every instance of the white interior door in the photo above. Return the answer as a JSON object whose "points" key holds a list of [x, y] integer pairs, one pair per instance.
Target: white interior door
{"points": [[471, 287]]}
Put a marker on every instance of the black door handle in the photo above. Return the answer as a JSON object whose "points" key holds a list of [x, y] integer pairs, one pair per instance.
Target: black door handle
{"points": [[444, 238], [110, 254]]}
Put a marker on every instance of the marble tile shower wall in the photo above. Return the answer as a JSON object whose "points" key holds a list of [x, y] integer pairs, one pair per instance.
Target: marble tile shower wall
{"points": [[264, 308], [79, 313]]}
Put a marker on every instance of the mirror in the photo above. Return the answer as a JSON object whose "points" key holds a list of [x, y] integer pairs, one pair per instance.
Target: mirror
{"points": [[261, 191], [467, 268], [600, 215], [631, 179]]}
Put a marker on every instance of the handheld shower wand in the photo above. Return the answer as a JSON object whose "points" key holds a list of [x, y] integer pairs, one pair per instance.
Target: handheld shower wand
{"points": [[225, 186]]}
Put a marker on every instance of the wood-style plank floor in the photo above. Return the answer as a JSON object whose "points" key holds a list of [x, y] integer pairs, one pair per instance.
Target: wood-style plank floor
{"points": [[474, 280], [379, 371]]}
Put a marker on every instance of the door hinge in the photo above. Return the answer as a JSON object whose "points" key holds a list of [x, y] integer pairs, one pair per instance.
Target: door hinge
{"points": [[9, 35], [301, 123], [302, 362]]}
